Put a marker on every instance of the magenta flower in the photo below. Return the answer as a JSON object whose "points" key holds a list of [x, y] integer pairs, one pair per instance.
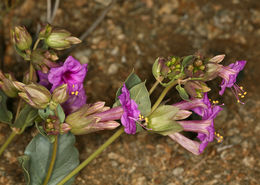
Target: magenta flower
{"points": [[131, 112], [71, 72], [43, 79], [204, 127], [229, 75]]}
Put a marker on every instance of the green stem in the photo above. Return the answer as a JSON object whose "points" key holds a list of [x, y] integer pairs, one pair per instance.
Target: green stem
{"points": [[92, 156], [36, 44], [165, 91], [7, 142], [54, 153], [153, 87]]}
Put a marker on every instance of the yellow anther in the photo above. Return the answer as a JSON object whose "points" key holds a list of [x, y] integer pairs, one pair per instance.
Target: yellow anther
{"points": [[245, 93], [241, 87], [238, 101], [73, 86], [76, 93], [242, 96], [72, 92], [217, 101], [239, 94]]}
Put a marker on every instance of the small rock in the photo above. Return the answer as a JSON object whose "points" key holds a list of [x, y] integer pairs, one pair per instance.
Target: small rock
{"points": [[177, 171], [112, 69]]}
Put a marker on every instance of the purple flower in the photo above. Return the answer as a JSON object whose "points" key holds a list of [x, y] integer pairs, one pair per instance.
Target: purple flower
{"points": [[204, 127], [229, 75], [131, 112], [43, 79], [71, 73], [75, 101]]}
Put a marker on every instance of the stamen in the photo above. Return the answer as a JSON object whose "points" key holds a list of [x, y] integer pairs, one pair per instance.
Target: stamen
{"points": [[73, 86], [76, 93], [218, 137], [72, 92]]}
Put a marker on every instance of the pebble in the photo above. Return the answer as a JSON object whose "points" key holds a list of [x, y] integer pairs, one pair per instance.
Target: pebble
{"points": [[112, 69], [178, 171]]}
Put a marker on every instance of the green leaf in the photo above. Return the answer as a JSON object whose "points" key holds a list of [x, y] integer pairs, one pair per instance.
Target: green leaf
{"points": [[155, 69], [5, 115], [26, 117], [44, 113], [164, 112], [183, 94], [141, 96], [39, 151], [60, 113], [186, 61], [25, 163], [131, 81]]}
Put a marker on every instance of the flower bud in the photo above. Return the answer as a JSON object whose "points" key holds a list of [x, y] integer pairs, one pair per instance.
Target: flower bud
{"points": [[45, 31], [196, 88], [61, 39], [211, 71], [217, 59], [92, 118], [162, 120], [60, 94], [7, 86], [21, 38], [43, 60], [36, 95], [26, 78]]}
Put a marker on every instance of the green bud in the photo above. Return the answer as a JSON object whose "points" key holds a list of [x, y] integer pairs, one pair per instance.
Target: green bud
{"points": [[7, 86], [45, 31], [21, 38], [60, 94], [36, 95], [61, 39], [162, 120]]}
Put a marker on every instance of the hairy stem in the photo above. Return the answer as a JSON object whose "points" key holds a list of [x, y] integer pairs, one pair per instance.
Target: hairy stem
{"points": [[54, 153], [92, 156]]}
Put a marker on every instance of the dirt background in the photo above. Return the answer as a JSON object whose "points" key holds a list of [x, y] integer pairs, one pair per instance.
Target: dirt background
{"points": [[133, 34]]}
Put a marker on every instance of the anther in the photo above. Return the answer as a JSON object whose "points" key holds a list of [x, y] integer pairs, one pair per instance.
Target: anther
{"points": [[72, 92], [76, 93]]}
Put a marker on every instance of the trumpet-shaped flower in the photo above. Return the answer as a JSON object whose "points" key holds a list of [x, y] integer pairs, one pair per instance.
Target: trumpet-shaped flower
{"points": [[131, 112]]}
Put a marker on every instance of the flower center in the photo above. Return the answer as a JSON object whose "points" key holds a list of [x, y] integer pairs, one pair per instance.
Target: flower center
{"points": [[74, 92]]}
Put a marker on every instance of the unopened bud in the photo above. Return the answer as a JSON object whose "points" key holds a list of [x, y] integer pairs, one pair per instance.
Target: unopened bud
{"points": [[26, 78], [92, 118], [61, 39], [7, 86], [45, 31], [217, 59], [21, 38], [211, 71], [36, 95], [196, 88], [60, 94]]}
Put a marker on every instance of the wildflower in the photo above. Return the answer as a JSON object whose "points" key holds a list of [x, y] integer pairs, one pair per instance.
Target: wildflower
{"points": [[204, 127], [229, 75], [131, 112], [91, 118], [71, 73]]}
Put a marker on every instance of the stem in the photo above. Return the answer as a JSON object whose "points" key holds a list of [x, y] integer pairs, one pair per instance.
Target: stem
{"points": [[36, 44], [159, 100], [7, 142], [92, 156], [153, 87], [54, 153]]}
